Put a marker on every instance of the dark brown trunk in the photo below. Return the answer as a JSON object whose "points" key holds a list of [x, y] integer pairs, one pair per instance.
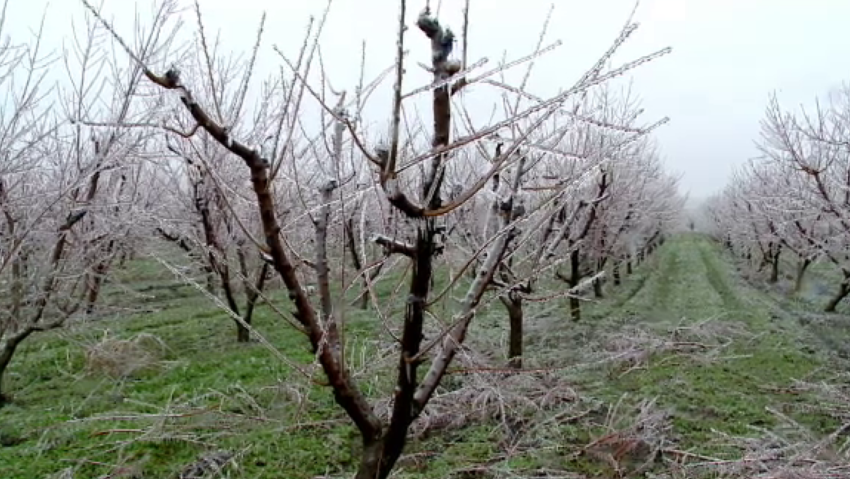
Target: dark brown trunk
{"points": [[364, 300], [774, 269], [94, 284], [251, 302], [380, 455], [356, 261], [842, 293], [575, 304], [6, 358], [122, 258], [252, 292], [371, 460], [597, 289], [575, 308], [17, 290], [223, 270], [802, 266], [406, 381], [599, 282], [615, 272], [216, 256], [93, 289], [210, 280], [513, 304], [242, 334]]}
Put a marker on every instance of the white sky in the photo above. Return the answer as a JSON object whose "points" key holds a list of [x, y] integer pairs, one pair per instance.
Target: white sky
{"points": [[728, 55]]}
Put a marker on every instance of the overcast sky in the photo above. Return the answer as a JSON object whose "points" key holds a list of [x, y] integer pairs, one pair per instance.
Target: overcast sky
{"points": [[728, 55]]}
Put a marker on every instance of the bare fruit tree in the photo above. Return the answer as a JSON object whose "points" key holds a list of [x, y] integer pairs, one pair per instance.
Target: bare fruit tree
{"points": [[307, 166], [794, 198], [209, 218], [69, 182]]}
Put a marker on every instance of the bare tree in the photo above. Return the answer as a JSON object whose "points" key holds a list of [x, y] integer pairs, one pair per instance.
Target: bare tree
{"points": [[409, 183], [65, 184], [794, 198]]}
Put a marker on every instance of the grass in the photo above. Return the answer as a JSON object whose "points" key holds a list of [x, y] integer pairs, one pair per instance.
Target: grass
{"points": [[731, 392], [683, 349]]}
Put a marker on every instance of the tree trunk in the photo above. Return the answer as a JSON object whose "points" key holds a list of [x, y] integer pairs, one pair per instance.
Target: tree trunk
{"points": [[597, 288], [774, 269], [19, 272], [802, 266], [575, 305], [513, 304], [6, 358], [370, 459], [122, 258], [98, 275], [629, 269], [599, 282], [843, 291], [575, 308], [242, 333], [356, 261], [95, 282], [210, 277], [382, 448], [252, 292], [375, 463], [380, 453], [774, 265], [615, 272]]}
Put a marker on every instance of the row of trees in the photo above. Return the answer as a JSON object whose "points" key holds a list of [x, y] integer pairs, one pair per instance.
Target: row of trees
{"points": [[70, 193], [793, 202], [280, 179]]}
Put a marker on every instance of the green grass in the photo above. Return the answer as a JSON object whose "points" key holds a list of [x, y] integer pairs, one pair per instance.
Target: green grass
{"points": [[692, 283], [206, 369], [689, 282], [223, 395]]}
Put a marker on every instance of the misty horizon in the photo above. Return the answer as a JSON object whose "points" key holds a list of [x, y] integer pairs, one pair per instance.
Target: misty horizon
{"points": [[727, 57]]}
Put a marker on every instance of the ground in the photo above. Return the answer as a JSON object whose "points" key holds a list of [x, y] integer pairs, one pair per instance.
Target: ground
{"points": [[681, 371]]}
